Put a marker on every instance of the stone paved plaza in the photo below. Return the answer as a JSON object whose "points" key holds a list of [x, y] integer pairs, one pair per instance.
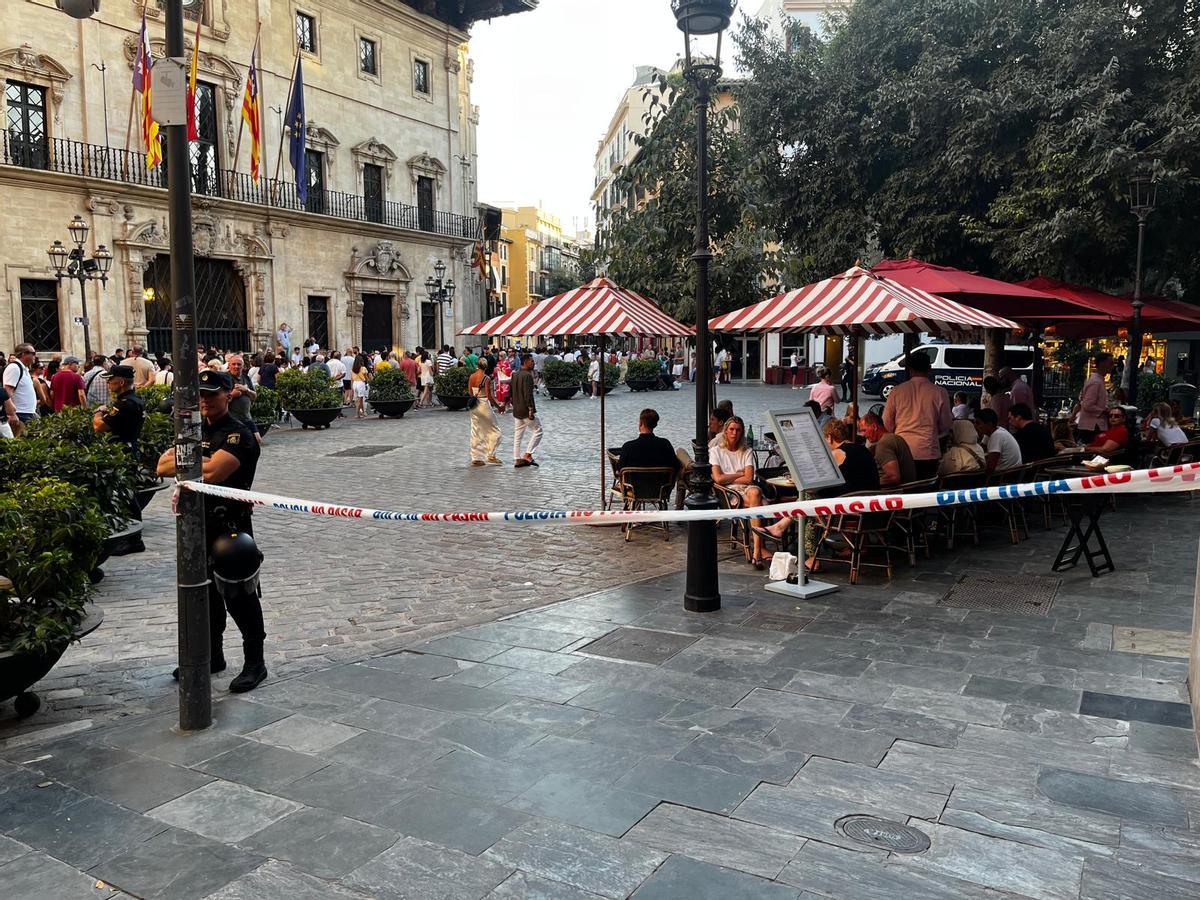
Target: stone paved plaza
{"points": [[451, 745]]}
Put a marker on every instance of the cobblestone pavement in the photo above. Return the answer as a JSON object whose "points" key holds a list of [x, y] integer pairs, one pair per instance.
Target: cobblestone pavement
{"points": [[612, 745], [339, 590]]}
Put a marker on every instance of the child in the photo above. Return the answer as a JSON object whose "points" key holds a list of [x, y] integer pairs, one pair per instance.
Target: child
{"points": [[962, 409]]}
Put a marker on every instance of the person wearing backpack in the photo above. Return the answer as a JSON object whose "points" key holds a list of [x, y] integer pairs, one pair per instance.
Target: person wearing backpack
{"points": [[19, 383]]}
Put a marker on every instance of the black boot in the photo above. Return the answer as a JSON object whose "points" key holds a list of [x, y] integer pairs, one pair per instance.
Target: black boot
{"points": [[254, 671], [216, 664]]}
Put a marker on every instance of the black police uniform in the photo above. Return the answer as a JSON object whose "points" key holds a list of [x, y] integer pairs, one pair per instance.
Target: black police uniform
{"points": [[124, 417], [221, 515]]}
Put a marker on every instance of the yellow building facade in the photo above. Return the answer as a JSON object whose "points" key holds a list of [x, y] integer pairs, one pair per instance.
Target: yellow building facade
{"points": [[536, 247]]}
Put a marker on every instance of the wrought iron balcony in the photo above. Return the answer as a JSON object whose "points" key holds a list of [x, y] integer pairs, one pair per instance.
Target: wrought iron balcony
{"points": [[129, 167]]}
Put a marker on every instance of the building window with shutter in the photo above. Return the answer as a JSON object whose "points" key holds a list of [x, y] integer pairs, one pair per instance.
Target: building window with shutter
{"points": [[25, 120]]}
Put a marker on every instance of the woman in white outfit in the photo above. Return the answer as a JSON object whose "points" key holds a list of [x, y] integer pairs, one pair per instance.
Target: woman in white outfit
{"points": [[485, 430], [425, 378]]}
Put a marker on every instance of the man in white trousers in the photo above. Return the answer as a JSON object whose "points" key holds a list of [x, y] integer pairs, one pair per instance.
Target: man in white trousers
{"points": [[524, 413]]}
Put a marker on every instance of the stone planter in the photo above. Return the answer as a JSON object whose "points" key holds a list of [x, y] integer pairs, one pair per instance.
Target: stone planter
{"points": [[565, 392], [453, 403], [316, 418], [392, 409], [20, 671], [641, 384], [148, 492]]}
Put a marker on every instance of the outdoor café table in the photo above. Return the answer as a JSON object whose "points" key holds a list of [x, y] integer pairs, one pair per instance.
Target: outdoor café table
{"points": [[1080, 505], [785, 488]]}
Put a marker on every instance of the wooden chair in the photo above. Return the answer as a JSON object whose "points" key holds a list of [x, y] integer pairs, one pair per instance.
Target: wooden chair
{"points": [[645, 487], [862, 532], [739, 529], [1011, 509], [1049, 504]]}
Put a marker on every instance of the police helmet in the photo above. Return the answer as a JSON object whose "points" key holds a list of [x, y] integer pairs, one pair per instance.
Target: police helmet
{"points": [[236, 560]]}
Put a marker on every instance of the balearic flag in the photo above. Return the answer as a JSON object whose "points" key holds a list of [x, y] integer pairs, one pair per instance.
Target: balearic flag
{"points": [[252, 117], [143, 83], [193, 129]]}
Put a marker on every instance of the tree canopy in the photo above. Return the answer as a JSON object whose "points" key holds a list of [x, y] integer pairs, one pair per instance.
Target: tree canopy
{"points": [[993, 136]]}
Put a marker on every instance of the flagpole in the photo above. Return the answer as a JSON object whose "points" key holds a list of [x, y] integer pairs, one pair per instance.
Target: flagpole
{"points": [[132, 101], [291, 91], [237, 150]]}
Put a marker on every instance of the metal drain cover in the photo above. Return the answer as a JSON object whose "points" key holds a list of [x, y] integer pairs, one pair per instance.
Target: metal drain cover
{"points": [[1027, 595], [364, 451], [884, 834]]}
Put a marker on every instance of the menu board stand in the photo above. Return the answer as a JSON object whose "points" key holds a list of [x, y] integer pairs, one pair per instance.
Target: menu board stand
{"points": [[811, 465]]}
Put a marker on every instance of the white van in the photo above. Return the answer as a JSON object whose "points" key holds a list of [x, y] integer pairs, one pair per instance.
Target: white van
{"points": [[956, 367]]}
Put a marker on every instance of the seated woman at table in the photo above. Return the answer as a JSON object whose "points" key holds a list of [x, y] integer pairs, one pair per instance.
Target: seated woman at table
{"points": [[1161, 423], [965, 453], [1115, 439], [1060, 433], [854, 461], [733, 469]]}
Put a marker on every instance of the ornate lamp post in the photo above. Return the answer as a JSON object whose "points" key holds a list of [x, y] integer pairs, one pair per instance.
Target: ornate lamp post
{"points": [[1143, 192], [439, 291], [74, 263], [702, 19]]}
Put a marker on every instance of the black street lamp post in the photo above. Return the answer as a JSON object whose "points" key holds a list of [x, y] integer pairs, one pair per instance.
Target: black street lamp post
{"points": [[1143, 192], [75, 264], [702, 18], [440, 291]]}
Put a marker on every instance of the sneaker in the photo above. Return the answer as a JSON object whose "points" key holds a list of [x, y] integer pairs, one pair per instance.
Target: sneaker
{"points": [[216, 664], [251, 676]]}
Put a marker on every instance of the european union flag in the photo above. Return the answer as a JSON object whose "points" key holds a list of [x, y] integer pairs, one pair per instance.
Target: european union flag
{"points": [[296, 121]]}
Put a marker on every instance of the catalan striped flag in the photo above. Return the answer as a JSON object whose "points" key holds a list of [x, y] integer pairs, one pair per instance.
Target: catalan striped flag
{"points": [[251, 115], [143, 83], [193, 128]]}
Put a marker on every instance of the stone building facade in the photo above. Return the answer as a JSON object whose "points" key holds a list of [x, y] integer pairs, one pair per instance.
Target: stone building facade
{"points": [[391, 152]]}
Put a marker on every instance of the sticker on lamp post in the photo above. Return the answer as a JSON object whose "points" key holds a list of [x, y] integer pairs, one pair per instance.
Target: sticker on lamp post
{"points": [[169, 100]]}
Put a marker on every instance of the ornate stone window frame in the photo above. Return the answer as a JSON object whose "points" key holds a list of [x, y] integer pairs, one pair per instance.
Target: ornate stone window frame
{"points": [[374, 152], [429, 166], [29, 66], [378, 271], [215, 21], [318, 137]]}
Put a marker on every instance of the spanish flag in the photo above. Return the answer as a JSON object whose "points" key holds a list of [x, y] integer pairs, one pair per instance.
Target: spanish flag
{"points": [[251, 115], [193, 128], [143, 84]]}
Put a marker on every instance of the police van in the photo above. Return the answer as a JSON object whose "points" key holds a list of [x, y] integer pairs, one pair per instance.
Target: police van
{"points": [[956, 367]]}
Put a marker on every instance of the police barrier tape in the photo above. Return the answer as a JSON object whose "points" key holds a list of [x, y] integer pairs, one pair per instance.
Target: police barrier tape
{"points": [[1184, 477]]}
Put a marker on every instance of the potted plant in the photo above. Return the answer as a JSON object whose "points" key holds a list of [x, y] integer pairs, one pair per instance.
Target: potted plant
{"points": [[390, 394], [642, 374], [563, 378], [451, 388], [612, 374], [312, 397], [265, 410], [45, 584], [157, 397]]}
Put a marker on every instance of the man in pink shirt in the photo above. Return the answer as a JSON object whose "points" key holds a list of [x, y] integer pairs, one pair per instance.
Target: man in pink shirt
{"points": [[66, 387], [823, 392], [1093, 400], [919, 411], [1018, 390]]}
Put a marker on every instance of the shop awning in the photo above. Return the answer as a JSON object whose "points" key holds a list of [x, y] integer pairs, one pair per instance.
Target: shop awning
{"points": [[858, 301], [1112, 313]]}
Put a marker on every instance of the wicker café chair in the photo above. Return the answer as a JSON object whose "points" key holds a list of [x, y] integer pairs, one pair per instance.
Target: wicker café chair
{"points": [[645, 487], [862, 532]]}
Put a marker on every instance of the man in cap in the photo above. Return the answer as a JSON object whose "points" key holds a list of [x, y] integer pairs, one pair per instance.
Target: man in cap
{"points": [[230, 458], [122, 417], [66, 387]]}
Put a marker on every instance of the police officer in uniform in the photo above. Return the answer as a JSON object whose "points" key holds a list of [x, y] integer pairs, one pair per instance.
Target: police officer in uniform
{"points": [[230, 458], [123, 416]]}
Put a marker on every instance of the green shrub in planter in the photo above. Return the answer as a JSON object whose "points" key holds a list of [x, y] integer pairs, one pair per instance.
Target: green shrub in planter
{"points": [[389, 386], [50, 538], [158, 433], [557, 373], [153, 395], [1154, 388], [48, 564], [265, 410], [452, 382], [102, 469], [71, 426], [308, 390], [612, 374], [642, 370]]}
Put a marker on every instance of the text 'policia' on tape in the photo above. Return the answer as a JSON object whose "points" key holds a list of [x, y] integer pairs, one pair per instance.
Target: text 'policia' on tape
{"points": [[1184, 477]]}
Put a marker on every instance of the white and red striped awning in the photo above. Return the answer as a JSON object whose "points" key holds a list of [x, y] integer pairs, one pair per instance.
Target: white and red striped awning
{"points": [[599, 307], [857, 300]]}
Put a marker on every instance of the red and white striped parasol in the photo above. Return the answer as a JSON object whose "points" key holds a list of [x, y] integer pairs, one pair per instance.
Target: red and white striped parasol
{"points": [[598, 307], [857, 301]]}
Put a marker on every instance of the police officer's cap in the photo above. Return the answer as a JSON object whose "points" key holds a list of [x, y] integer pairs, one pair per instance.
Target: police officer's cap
{"points": [[211, 381], [122, 372]]}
